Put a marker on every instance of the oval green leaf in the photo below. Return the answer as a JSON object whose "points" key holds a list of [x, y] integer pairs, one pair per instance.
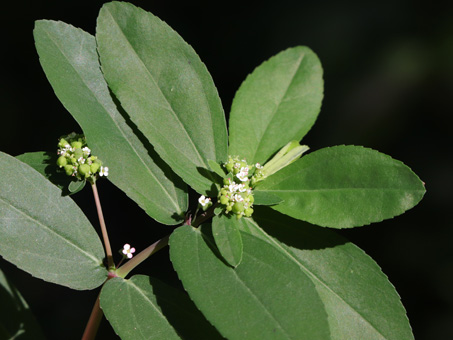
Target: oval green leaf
{"points": [[344, 187], [227, 237], [16, 320], [69, 58], [277, 103], [44, 233], [360, 301], [265, 297], [165, 89], [146, 308]]}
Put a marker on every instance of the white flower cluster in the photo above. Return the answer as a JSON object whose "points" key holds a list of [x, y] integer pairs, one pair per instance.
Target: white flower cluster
{"points": [[75, 157]]}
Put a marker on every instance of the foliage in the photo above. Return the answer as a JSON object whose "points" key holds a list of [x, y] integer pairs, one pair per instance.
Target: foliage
{"points": [[257, 259]]}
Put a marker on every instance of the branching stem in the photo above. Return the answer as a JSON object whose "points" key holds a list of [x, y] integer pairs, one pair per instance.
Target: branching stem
{"points": [[105, 236], [142, 256], [93, 322]]}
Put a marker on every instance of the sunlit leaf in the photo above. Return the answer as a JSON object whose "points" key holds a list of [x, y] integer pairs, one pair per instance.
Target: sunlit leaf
{"points": [[344, 187], [45, 233], [165, 89], [69, 58]]}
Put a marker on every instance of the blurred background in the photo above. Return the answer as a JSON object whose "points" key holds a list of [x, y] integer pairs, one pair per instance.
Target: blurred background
{"points": [[388, 70]]}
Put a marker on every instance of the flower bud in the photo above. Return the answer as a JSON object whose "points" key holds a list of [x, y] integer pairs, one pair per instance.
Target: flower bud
{"points": [[69, 169], [62, 161], [84, 170], [248, 212], [62, 143], [94, 167], [224, 200], [76, 145], [238, 207], [78, 153]]}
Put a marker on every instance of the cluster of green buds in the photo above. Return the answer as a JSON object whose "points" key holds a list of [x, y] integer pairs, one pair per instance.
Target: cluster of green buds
{"points": [[236, 195], [76, 159]]}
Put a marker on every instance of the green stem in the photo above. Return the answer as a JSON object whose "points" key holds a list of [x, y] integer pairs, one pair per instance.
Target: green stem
{"points": [[105, 236], [94, 321], [142, 256], [205, 216]]}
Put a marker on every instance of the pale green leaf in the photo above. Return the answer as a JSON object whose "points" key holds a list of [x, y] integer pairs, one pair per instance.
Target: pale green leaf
{"points": [[46, 164], [265, 297], [227, 238], [165, 89], [344, 187], [69, 58], [44, 233], [16, 319], [360, 301], [265, 198], [215, 167], [277, 103], [146, 308]]}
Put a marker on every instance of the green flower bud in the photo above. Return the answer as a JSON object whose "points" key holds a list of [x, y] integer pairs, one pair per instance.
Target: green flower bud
{"points": [[251, 198], [95, 167], [69, 169], [228, 208], [248, 212], [224, 200], [62, 143], [73, 161], [238, 207], [229, 166], [78, 153], [62, 161], [76, 145], [84, 170]]}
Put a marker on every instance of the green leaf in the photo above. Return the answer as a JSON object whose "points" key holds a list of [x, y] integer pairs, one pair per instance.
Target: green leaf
{"points": [[360, 301], [69, 58], [16, 320], [46, 164], [44, 233], [227, 238], [214, 166], [344, 187], [75, 186], [165, 88], [277, 103], [265, 297], [265, 198], [146, 308]]}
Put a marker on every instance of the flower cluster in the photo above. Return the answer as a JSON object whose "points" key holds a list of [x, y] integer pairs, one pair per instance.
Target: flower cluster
{"points": [[236, 194], [75, 157]]}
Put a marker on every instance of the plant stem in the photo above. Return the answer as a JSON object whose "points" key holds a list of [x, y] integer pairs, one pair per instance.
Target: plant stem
{"points": [[205, 216], [93, 322], [105, 236], [142, 256]]}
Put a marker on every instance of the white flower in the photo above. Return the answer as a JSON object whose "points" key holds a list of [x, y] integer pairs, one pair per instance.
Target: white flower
{"points": [[233, 187], [81, 160], [238, 198], [128, 251], [86, 150], [204, 200], [258, 166], [241, 188], [243, 176], [104, 171]]}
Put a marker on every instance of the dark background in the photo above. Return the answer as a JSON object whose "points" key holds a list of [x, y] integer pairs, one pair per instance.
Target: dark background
{"points": [[388, 68]]}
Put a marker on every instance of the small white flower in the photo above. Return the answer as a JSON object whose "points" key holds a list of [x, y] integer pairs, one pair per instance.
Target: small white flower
{"points": [[204, 200], [104, 171], [81, 160], [128, 251], [238, 198], [233, 187], [86, 150], [243, 176], [241, 188], [258, 166]]}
